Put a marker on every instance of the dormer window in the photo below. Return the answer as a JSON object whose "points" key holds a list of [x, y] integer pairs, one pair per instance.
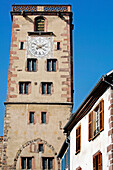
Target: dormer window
{"points": [[39, 24]]}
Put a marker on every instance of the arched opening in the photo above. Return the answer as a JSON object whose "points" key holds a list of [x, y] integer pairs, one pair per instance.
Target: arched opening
{"points": [[40, 24]]}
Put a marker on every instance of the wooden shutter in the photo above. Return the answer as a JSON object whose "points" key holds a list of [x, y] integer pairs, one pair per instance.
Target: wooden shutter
{"points": [[78, 138], [20, 163], [53, 164], [101, 115], [33, 163], [90, 126], [28, 117], [37, 65], [31, 148], [94, 163], [40, 117], [34, 117], [47, 117], [100, 161]]}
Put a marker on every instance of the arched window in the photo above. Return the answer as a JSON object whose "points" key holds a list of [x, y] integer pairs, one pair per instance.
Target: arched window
{"points": [[39, 24]]}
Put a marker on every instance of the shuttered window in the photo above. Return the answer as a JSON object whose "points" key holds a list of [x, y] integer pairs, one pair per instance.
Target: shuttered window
{"points": [[96, 120], [46, 88], [31, 65], [27, 162], [97, 161], [47, 163], [39, 24], [51, 65], [78, 139], [24, 87]]}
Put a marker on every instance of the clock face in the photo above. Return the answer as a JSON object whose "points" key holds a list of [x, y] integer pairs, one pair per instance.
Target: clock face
{"points": [[39, 46]]}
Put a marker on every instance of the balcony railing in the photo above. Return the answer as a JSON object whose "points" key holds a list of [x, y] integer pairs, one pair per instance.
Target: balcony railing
{"points": [[46, 8]]}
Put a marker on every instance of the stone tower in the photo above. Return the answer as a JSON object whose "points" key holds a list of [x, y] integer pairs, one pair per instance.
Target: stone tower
{"points": [[40, 86]]}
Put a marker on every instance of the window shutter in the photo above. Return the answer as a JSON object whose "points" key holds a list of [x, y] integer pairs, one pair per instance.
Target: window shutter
{"points": [[36, 65], [33, 163], [56, 65], [40, 117], [20, 163], [100, 161], [40, 88], [34, 117], [31, 148], [26, 66], [29, 88], [94, 163], [90, 125], [47, 117], [28, 117], [78, 138], [101, 114], [53, 164]]}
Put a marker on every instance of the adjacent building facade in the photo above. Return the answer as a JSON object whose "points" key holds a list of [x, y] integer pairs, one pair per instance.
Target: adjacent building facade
{"points": [[40, 86], [90, 130]]}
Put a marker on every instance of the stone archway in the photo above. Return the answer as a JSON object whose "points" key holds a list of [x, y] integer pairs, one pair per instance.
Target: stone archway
{"points": [[29, 143]]}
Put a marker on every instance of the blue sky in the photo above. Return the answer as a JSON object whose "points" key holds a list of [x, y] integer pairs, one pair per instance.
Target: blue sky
{"points": [[92, 44]]}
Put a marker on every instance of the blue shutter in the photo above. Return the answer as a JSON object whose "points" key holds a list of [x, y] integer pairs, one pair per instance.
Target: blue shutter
{"points": [[54, 65], [29, 163], [33, 65], [26, 88], [44, 163], [23, 165], [50, 164], [21, 88], [43, 88], [29, 65], [49, 88], [43, 117], [31, 117], [48, 65]]}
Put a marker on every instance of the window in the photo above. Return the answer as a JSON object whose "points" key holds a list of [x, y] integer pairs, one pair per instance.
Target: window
{"points": [[96, 120], [32, 118], [97, 161], [40, 148], [39, 24], [58, 45], [33, 148], [78, 139], [24, 87], [27, 162], [47, 163], [46, 88], [51, 65], [31, 65], [21, 46]]}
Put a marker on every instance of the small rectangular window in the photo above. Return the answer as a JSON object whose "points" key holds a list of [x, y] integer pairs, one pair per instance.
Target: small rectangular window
{"points": [[21, 45], [58, 45], [46, 88], [43, 117], [51, 65], [24, 87], [41, 149], [31, 64]]}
